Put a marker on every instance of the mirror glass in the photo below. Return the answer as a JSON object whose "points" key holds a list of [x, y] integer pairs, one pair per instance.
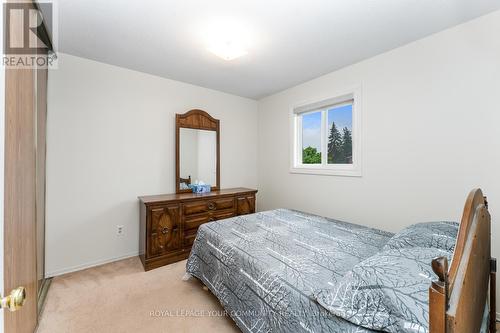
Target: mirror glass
{"points": [[197, 157]]}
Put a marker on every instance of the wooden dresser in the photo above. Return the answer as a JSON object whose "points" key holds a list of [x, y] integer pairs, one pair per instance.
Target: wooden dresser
{"points": [[169, 222]]}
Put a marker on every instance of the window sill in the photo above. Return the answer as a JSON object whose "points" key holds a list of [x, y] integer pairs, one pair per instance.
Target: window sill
{"points": [[343, 172]]}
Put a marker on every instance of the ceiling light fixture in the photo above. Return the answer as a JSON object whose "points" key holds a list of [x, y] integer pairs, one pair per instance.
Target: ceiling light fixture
{"points": [[227, 50], [227, 39]]}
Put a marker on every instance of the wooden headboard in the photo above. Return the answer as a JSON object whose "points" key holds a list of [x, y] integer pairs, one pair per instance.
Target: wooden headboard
{"points": [[458, 299]]}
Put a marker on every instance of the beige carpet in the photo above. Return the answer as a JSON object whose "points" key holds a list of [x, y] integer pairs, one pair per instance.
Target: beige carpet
{"points": [[121, 297]]}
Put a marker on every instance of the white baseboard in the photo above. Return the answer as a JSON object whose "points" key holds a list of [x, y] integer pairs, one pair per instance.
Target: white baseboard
{"points": [[88, 265]]}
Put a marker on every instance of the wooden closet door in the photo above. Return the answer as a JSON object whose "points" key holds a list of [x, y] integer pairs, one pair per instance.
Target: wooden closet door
{"points": [[20, 209], [23, 168]]}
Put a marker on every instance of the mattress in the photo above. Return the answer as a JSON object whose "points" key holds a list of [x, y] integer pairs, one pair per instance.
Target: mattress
{"points": [[265, 267]]}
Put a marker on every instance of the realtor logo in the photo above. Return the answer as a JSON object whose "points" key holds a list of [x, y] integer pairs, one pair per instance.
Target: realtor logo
{"points": [[28, 38]]}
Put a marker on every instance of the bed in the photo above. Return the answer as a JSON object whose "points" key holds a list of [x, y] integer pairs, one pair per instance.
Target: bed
{"points": [[274, 271]]}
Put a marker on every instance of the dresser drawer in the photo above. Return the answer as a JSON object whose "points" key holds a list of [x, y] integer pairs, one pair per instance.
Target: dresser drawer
{"points": [[220, 204], [193, 222], [203, 206], [195, 207], [224, 214]]}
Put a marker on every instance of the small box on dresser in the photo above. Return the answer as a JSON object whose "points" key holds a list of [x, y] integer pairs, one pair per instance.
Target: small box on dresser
{"points": [[169, 223]]}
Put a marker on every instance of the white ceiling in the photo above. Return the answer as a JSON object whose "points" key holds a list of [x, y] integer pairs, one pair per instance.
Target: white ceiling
{"points": [[293, 41]]}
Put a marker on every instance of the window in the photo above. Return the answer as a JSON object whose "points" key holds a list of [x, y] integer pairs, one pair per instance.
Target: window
{"points": [[311, 138], [326, 138], [339, 145]]}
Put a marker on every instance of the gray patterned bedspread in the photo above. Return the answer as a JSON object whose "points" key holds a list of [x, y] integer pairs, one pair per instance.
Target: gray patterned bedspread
{"points": [[265, 267]]}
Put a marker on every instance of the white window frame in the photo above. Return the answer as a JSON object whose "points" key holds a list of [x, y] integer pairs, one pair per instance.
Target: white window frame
{"points": [[323, 105]]}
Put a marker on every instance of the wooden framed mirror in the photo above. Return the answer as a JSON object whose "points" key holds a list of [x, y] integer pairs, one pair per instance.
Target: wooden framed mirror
{"points": [[197, 150]]}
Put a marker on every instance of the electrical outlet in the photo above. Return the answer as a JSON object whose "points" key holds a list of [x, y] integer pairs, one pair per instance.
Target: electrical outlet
{"points": [[120, 230]]}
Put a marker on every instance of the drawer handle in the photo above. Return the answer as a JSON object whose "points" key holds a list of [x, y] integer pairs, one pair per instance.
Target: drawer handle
{"points": [[211, 219], [164, 230], [211, 206]]}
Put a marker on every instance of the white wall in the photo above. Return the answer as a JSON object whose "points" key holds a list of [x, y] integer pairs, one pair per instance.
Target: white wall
{"points": [[431, 133], [110, 139]]}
